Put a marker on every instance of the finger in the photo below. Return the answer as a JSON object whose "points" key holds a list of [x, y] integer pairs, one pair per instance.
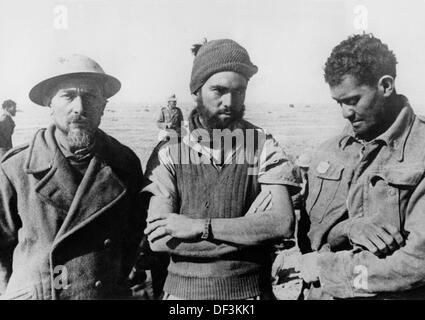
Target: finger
{"points": [[278, 265], [158, 216], [379, 244], [393, 242], [265, 203], [254, 205], [157, 234], [395, 233], [155, 225], [368, 245], [387, 238], [259, 200], [269, 206]]}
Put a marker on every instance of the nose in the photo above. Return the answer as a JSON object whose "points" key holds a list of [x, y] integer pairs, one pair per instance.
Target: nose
{"points": [[227, 100], [347, 111], [77, 105]]}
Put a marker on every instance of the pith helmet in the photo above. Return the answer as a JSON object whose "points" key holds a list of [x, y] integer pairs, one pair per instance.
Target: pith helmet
{"points": [[74, 66], [172, 98]]}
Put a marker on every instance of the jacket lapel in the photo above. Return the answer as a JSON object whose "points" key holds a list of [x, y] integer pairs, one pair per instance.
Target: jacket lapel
{"points": [[79, 202], [57, 184], [99, 190]]}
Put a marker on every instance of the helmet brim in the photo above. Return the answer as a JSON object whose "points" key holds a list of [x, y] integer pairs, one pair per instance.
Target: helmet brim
{"points": [[40, 91]]}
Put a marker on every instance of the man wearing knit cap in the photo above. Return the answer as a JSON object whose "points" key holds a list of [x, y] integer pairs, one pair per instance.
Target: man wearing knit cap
{"points": [[70, 215], [212, 208]]}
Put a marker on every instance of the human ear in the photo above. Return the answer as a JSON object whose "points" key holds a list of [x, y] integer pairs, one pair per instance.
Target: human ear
{"points": [[195, 96], [103, 106], [386, 84]]}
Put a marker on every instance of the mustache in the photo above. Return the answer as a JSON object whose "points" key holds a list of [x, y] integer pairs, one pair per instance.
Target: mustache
{"points": [[78, 119]]}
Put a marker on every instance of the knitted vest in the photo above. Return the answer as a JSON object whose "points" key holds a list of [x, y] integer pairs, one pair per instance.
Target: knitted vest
{"points": [[208, 192]]}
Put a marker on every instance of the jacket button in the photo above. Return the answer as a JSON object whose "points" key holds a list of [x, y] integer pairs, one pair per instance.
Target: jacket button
{"points": [[98, 284], [107, 242], [391, 192]]}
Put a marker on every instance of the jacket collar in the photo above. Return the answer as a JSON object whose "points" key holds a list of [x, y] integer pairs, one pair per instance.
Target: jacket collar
{"points": [[396, 135], [44, 151]]}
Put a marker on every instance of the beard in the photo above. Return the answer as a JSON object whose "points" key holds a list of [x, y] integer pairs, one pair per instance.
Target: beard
{"points": [[213, 120], [80, 134]]}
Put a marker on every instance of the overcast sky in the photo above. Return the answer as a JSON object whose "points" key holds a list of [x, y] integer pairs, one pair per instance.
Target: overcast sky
{"points": [[146, 43]]}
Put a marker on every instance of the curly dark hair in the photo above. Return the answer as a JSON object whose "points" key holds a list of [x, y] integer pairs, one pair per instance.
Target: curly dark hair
{"points": [[363, 56]]}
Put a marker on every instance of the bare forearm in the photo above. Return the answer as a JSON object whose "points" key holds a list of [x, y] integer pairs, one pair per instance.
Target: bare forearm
{"points": [[201, 249], [228, 235], [255, 229]]}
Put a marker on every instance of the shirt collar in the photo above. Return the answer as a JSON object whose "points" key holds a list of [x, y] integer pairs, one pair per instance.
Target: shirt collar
{"points": [[78, 155], [396, 134], [190, 138]]}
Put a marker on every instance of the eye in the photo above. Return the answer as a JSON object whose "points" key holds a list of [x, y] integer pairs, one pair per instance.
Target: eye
{"points": [[90, 99], [240, 91], [219, 90], [352, 101], [68, 95]]}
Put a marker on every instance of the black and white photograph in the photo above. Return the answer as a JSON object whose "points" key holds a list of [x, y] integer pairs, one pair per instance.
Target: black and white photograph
{"points": [[225, 150]]}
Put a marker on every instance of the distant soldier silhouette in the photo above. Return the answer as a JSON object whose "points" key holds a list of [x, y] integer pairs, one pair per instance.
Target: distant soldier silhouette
{"points": [[7, 125]]}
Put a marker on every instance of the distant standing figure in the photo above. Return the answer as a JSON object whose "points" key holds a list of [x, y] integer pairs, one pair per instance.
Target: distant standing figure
{"points": [[7, 125], [170, 116]]}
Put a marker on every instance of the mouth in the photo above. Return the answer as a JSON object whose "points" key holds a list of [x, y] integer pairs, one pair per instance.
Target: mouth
{"points": [[356, 122], [79, 124]]}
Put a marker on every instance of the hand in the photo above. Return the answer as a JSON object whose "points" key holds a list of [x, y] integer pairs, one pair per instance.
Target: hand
{"points": [[380, 240], [175, 225], [289, 261], [309, 268], [286, 263], [262, 202]]}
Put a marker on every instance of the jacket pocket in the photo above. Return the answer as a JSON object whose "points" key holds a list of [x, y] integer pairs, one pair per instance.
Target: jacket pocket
{"points": [[399, 176], [325, 181], [390, 191]]}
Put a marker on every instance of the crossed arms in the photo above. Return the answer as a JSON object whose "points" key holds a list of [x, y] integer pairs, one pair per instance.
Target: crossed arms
{"points": [[269, 218]]}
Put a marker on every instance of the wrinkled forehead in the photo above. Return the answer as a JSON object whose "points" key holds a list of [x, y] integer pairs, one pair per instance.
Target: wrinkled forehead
{"points": [[349, 86], [227, 79], [85, 85]]}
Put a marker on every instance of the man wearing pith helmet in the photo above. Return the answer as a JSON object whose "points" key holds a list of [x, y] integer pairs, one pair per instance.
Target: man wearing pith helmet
{"points": [[70, 215], [217, 212], [170, 117]]}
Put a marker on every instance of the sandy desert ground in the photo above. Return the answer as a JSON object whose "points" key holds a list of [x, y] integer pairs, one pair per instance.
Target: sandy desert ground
{"points": [[298, 129]]}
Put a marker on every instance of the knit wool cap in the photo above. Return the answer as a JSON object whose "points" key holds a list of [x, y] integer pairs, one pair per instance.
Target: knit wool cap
{"points": [[217, 56]]}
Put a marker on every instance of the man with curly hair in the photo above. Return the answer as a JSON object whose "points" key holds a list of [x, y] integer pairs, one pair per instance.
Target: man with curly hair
{"points": [[363, 232]]}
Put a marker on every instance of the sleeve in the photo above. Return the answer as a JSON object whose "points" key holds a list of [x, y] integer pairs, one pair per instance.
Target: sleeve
{"points": [[347, 274], [4, 128], [160, 180], [9, 224], [161, 120], [180, 116], [276, 168]]}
